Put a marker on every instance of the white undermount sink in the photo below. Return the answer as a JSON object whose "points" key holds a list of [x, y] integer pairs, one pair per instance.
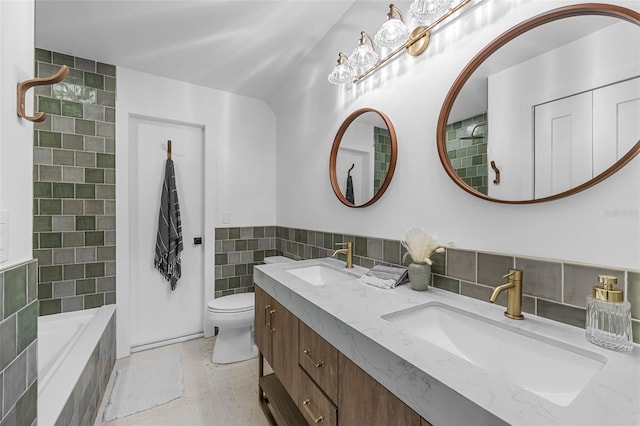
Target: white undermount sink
{"points": [[320, 274], [550, 369]]}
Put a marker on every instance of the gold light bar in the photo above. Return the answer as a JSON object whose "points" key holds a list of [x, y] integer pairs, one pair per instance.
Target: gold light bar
{"points": [[417, 43]]}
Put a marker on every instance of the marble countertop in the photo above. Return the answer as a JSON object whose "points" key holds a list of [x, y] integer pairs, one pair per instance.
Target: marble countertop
{"points": [[441, 387]]}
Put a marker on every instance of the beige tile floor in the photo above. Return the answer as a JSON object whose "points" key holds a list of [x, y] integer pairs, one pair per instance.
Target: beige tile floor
{"points": [[213, 394]]}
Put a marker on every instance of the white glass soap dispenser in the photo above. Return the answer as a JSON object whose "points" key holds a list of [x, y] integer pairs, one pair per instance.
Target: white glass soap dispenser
{"points": [[609, 316]]}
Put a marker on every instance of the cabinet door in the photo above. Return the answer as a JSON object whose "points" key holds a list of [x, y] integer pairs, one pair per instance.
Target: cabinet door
{"points": [[363, 401], [284, 335], [262, 326]]}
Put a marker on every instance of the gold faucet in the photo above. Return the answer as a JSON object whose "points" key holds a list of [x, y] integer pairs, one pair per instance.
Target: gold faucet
{"points": [[348, 251], [514, 294]]}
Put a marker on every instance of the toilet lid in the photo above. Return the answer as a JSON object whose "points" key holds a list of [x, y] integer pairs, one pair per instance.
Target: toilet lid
{"points": [[233, 303]]}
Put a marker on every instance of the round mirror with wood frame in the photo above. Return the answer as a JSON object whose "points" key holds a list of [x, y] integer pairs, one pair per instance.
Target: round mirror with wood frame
{"points": [[525, 164], [363, 158]]}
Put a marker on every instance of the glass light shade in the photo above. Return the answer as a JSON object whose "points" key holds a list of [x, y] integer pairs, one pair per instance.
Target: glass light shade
{"points": [[342, 73], [427, 11], [363, 57], [392, 34]]}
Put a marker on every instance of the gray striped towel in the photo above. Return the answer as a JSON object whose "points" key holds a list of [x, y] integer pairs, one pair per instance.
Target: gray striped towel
{"points": [[169, 238], [349, 195], [385, 276]]}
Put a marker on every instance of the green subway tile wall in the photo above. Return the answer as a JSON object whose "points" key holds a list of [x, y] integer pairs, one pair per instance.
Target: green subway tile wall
{"points": [[237, 251], [469, 156], [382, 149], [551, 288], [74, 185], [18, 344]]}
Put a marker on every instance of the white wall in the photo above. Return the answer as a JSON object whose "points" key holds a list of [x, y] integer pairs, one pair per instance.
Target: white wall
{"points": [[600, 225], [16, 134], [239, 164]]}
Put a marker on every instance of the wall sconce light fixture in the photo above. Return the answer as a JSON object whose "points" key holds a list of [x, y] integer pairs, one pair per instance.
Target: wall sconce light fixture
{"points": [[393, 35], [364, 56], [393, 32]]}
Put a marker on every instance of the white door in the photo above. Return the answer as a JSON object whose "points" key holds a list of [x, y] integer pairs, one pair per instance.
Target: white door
{"points": [[617, 127], [562, 141], [159, 314]]}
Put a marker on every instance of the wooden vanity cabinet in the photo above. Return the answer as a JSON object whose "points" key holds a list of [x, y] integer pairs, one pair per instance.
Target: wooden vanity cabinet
{"points": [[364, 401], [276, 335], [313, 383]]}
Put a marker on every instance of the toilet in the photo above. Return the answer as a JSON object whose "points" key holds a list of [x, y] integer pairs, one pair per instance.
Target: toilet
{"points": [[233, 315]]}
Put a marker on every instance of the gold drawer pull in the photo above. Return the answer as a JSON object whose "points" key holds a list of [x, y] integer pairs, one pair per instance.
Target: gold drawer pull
{"points": [[271, 312], [315, 419], [307, 352], [267, 323]]}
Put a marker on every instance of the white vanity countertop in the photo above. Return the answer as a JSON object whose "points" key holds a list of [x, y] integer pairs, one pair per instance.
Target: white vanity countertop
{"points": [[443, 388]]}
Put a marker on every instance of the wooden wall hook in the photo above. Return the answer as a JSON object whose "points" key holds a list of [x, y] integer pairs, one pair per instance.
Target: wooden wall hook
{"points": [[497, 172], [28, 84]]}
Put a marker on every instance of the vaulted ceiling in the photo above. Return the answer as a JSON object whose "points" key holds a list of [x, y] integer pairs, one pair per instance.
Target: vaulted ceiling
{"points": [[241, 46]]}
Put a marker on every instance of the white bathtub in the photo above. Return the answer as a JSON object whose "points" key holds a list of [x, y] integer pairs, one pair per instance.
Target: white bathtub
{"points": [[65, 344]]}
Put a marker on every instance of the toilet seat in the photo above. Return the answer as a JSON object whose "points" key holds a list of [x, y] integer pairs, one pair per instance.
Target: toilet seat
{"points": [[233, 311], [241, 302]]}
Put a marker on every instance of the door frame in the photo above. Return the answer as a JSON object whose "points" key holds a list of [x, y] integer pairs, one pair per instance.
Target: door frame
{"points": [[123, 226], [134, 153]]}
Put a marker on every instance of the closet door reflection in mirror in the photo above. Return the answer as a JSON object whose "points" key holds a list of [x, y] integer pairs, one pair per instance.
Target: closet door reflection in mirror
{"points": [[548, 109], [363, 157]]}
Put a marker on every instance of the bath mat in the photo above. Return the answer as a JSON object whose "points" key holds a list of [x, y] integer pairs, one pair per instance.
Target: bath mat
{"points": [[143, 385]]}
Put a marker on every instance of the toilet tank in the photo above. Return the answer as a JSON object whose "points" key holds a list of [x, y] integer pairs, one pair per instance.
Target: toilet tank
{"points": [[277, 259]]}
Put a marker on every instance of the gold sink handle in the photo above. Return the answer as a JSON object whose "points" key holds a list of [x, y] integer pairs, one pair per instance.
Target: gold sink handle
{"points": [[514, 294], [348, 251]]}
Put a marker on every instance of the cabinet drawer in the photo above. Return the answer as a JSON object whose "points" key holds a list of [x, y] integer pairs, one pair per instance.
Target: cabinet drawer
{"points": [[319, 359], [314, 405]]}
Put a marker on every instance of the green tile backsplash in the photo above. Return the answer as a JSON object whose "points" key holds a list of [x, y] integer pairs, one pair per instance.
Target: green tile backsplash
{"points": [[94, 175], [237, 251], [552, 289], [563, 313], [74, 185], [633, 293]]}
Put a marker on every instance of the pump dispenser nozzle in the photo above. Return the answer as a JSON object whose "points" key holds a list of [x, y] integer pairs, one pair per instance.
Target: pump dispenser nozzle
{"points": [[607, 292]]}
